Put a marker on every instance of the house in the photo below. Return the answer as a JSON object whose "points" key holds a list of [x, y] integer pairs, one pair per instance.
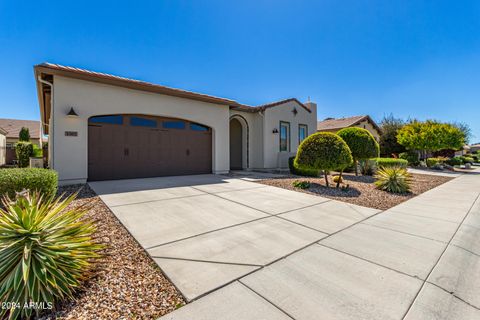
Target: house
{"points": [[3, 146], [335, 125], [105, 127], [12, 128], [463, 151], [474, 148]]}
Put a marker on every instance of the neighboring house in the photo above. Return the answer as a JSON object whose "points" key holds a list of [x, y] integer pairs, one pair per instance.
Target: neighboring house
{"points": [[465, 150], [12, 128], [474, 147], [104, 127], [3, 146], [335, 125]]}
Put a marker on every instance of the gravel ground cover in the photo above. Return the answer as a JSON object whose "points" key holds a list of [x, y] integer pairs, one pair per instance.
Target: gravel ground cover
{"points": [[361, 189], [125, 283]]}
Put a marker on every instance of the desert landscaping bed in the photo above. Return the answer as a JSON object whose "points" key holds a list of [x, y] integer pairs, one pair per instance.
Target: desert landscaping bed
{"points": [[125, 283], [361, 189]]}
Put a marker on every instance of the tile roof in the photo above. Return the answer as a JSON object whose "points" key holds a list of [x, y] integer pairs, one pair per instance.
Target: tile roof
{"points": [[269, 105], [51, 68], [12, 127], [334, 124]]}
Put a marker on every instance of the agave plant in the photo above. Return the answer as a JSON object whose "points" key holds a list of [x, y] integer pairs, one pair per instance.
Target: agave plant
{"points": [[393, 179], [45, 249]]}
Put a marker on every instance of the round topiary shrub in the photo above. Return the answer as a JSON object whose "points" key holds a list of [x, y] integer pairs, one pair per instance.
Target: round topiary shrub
{"points": [[361, 143], [323, 151]]}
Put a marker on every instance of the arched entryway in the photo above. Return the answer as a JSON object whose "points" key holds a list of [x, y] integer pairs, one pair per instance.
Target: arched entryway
{"points": [[238, 143]]}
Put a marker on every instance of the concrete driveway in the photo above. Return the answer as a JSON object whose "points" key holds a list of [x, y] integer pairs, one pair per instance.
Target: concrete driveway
{"points": [[243, 250]]}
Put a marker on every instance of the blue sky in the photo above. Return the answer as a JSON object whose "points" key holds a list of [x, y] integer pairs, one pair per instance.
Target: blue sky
{"points": [[410, 58]]}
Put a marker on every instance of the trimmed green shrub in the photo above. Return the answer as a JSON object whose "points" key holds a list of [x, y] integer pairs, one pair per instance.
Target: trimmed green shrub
{"points": [[24, 134], [467, 159], [15, 180], [37, 151], [455, 161], [393, 179], [432, 162], [323, 151], [361, 143], [24, 151], [301, 172], [391, 162], [301, 184], [411, 156], [45, 251]]}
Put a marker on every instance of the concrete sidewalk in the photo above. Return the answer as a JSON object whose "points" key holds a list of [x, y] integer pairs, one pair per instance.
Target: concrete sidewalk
{"points": [[418, 260]]}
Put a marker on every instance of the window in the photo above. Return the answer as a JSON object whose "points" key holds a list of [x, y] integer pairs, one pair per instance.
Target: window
{"points": [[107, 119], [143, 122], [284, 136], [174, 125], [302, 132], [198, 127]]}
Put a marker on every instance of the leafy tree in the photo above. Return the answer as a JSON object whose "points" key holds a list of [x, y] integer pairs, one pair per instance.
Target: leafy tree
{"points": [[24, 134], [465, 128], [361, 143], [430, 136], [324, 151], [388, 138]]}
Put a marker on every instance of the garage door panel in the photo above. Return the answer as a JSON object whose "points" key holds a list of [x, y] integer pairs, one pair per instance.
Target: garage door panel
{"points": [[120, 151]]}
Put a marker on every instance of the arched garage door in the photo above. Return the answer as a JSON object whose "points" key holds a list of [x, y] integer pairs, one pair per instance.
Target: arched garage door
{"points": [[136, 146]]}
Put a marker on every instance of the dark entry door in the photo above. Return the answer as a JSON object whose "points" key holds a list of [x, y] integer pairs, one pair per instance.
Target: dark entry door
{"points": [[131, 146]]}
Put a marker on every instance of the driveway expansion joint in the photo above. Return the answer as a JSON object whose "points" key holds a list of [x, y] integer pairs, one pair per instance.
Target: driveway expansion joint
{"points": [[158, 200], [407, 233], [453, 294], [210, 261], [420, 216], [263, 211], [270, 302], [441, 255], [372, 262], [207, 232], [469, 251], [301, 224]]}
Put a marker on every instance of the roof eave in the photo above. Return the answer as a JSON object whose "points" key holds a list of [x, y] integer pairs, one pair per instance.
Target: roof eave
{"points": [[130, 84], [41, 101]]}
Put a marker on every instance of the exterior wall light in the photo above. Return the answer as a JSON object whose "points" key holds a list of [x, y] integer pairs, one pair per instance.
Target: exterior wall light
{"points": [[275, 131], [72, 113]]}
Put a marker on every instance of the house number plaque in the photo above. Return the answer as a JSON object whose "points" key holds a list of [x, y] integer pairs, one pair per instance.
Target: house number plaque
{"points": [[71, 133]]}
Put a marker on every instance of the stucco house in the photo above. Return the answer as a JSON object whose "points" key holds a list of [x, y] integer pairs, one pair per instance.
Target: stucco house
{"points": [[474, 148], [335, 125], [105, 127], [3, 146], [12, 128]]}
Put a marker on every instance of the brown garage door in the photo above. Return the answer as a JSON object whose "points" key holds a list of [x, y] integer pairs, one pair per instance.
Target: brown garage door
{"points": [[135, 146]]}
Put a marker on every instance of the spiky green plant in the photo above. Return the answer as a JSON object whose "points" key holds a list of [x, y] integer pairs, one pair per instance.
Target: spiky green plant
{"points": [[301, 184], [393, 179], [45, 249]]}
